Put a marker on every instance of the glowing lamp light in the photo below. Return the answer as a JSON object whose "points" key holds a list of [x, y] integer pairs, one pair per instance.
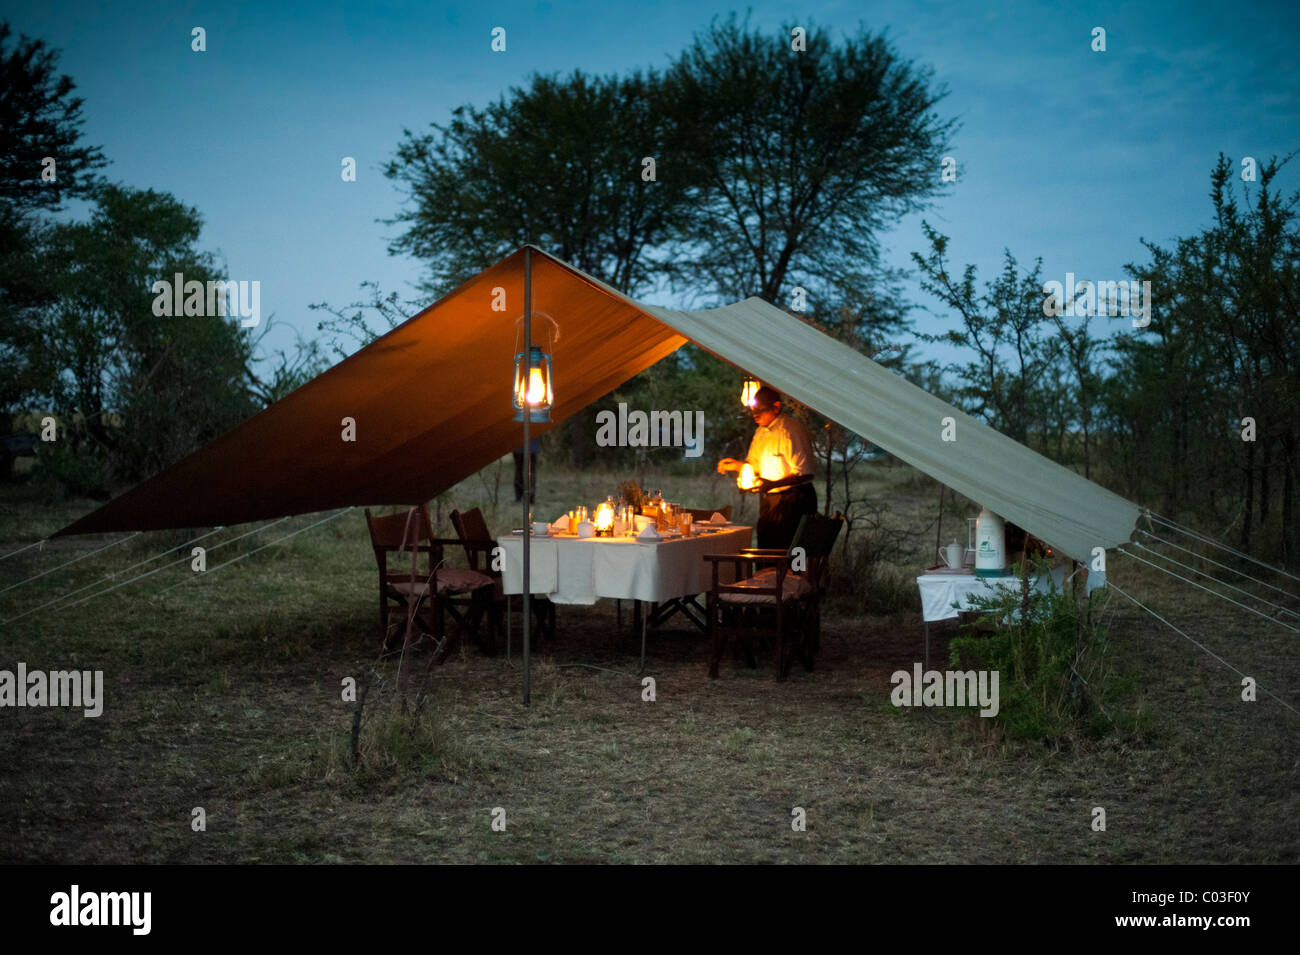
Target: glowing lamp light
{"points": [[747, 392], [747, 480], [533, 389], [604, 521], [537, 391]]}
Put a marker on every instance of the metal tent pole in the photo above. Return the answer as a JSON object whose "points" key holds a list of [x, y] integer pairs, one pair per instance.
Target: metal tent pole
{"points": [[528, 469]]}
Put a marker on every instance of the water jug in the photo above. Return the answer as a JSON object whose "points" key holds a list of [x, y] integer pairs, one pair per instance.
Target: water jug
{"points": [[990, 545], [951, 555]]}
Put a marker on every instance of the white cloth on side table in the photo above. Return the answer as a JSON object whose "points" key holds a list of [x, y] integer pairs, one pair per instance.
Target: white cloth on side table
{"points": [[941, 591]]}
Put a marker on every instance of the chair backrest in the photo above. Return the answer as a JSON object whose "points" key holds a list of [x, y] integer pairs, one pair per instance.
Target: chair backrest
{"points": [[816, 534], [704, 513], [387, 532], [471, 526]]}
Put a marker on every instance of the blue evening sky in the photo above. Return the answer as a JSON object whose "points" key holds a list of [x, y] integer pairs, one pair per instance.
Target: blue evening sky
{"points": [[1065, 153]]}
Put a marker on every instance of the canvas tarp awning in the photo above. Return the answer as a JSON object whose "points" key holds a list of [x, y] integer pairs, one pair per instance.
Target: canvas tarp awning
{"points": [[430, 402]]}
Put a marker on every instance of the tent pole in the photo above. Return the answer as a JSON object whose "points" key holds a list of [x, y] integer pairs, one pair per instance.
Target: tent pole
{"points": [[528, 473], [938, 531]]}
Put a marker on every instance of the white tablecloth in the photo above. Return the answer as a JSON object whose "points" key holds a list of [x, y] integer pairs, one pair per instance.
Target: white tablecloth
{"points": [[940, 592], [570, 570]]}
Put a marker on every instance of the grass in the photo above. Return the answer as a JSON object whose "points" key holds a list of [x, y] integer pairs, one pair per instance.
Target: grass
{"points": [[225, 694]]}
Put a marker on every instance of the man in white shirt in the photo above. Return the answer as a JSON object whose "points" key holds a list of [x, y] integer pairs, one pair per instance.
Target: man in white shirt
{"points": [[782, 458]]}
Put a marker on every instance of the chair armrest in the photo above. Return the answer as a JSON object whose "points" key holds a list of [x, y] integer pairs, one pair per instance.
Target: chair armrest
{"points": [[781, 559], [764, 559], [778, 559]]}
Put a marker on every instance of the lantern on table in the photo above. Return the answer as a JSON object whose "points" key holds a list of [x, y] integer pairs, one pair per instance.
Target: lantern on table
{"points": [[533, 389], [604, 520]]}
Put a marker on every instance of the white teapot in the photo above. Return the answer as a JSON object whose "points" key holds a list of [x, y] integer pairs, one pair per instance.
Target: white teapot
{"points": [[952, 555]]}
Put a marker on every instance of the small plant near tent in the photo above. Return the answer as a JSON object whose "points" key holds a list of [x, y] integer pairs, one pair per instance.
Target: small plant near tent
{"points": [[388, 744], [393, 741], [1056, 684]]}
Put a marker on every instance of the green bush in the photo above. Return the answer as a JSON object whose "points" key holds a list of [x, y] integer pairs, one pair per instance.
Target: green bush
{"points": [[1055, 684], [63, 470]]}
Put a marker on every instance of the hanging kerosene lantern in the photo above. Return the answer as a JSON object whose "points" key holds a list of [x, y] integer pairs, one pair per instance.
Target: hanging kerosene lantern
{"points": [[534, 388]]}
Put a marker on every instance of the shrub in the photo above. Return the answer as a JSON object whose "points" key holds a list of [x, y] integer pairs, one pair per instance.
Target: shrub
{"points": [[65, 470], [1055, 684]]}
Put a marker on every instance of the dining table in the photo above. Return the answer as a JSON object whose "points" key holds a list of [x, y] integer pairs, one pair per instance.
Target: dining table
{"points": [[668, 571]]}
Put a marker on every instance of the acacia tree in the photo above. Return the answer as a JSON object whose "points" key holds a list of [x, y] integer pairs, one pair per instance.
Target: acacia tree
{"points": [[802, 156], [804, 149], [559, 163], [1004, 328], [771, 168]]}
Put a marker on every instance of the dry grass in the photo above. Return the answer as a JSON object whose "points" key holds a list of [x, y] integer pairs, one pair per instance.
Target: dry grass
{"points": [[225, 694]]}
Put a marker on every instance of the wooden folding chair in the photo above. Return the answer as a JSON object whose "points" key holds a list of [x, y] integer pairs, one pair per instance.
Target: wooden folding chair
{"points": [[479, 546], [436, 590], [775, 600]]}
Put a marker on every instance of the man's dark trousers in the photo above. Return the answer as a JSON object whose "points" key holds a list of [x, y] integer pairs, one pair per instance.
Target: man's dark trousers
{"points": [[779, 514]]}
